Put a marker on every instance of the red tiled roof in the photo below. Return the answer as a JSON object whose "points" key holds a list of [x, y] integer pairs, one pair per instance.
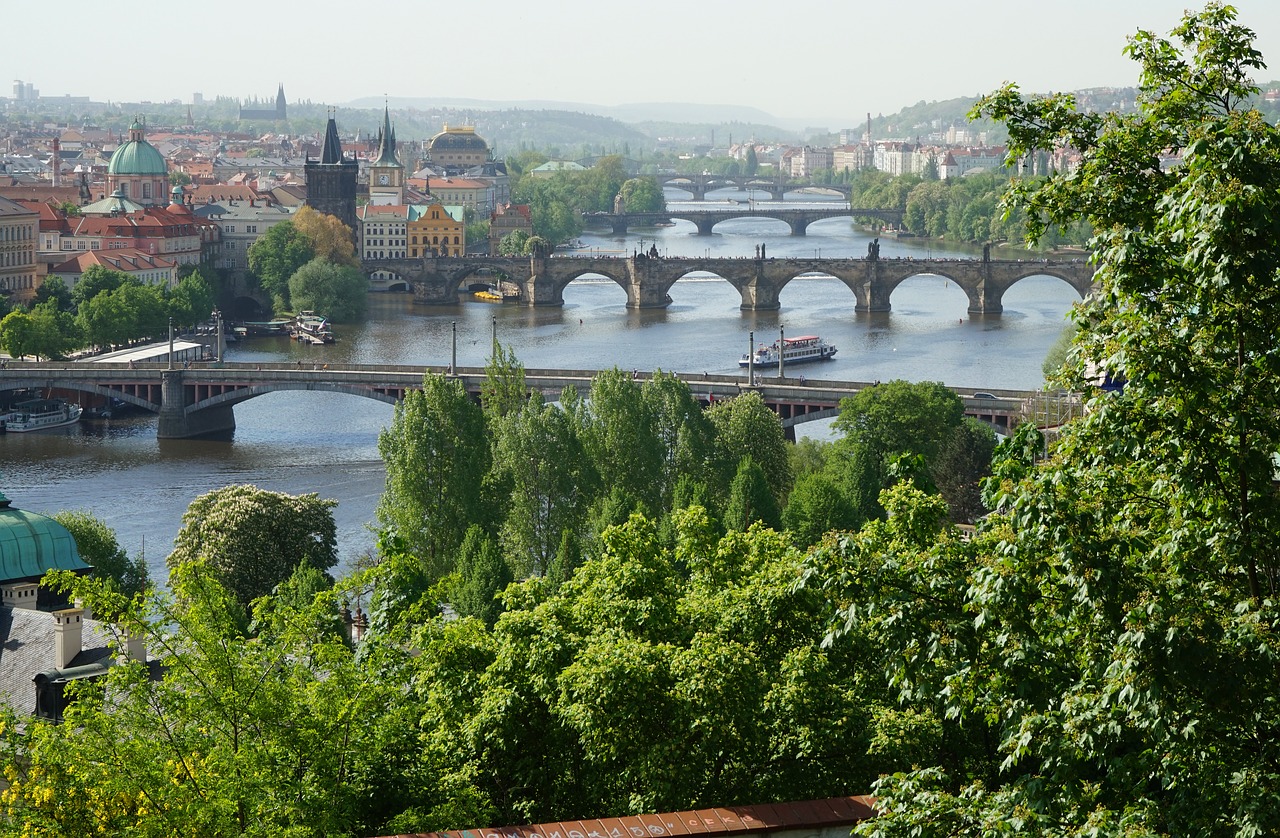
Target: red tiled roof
{"points": [[721, 821]]}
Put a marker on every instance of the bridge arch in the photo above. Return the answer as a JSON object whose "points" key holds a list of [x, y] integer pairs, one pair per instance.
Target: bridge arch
{"points": [[563, 279], [231, 398], [968, 284], [129, 396]]}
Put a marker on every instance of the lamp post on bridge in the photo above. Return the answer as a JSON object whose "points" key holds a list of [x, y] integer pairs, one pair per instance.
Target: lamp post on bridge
{"points": [[493, 340], [453, 360], [782, 349], [216, 315], [170, 343], [751, 358]]}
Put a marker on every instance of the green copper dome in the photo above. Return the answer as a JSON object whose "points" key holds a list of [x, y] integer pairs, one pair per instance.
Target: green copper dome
{"points": [[30, 544], [137, 157]]}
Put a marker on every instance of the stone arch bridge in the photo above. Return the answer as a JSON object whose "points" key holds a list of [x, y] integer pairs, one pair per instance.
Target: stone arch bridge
{"points": [[199, 401], [648, 280], [700, 185], [798, 220]]}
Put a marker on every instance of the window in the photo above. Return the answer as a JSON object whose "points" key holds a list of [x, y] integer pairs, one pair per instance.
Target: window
{"points": [[95, 245]]}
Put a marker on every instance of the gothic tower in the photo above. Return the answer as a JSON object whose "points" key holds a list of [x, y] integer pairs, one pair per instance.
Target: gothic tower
{"points": [[386, 174], [331, 180]]}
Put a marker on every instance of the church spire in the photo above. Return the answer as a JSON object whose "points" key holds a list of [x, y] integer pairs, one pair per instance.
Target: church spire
{"points": [[386, 142]]}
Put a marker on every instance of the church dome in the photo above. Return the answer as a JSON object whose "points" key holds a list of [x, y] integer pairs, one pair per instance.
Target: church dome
{"points": [[30, 544], [137, 156], [458, 139]]}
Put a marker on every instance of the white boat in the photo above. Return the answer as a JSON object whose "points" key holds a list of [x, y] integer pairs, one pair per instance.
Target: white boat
{"points": [[312, 328], [40, 414], [799, 350]]}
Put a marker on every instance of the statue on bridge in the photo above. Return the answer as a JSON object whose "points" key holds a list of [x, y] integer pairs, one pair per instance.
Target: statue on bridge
{"points": [[873, 249]]}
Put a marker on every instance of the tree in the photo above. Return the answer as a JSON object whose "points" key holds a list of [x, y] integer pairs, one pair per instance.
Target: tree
{"points": [[276, 255], [817, 506], [551, 482], [191, 301], [481, 576], [643, 194], [54, 288], [340, 291], [618, 429], [328, 237], [436, 453], [95, 280], [962, 463], [750, 499], [745, 425], [98, 546], [282, 734], [1113, 649], [752, 163], [253, 539], [514, 243]]}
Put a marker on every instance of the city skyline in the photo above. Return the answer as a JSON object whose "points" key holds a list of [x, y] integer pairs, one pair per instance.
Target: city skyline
{"points": [[829, 65]]}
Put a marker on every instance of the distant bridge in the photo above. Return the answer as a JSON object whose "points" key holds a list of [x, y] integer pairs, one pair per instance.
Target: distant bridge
{"points": [[648, 281], [199, 401], [706, 220], [774, 187]]}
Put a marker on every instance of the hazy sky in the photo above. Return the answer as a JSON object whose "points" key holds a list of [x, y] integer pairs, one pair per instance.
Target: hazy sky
{"points": [[828, 62]]}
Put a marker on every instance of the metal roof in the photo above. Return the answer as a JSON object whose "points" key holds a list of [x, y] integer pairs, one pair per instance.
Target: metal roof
{"points": [[722, 821]]}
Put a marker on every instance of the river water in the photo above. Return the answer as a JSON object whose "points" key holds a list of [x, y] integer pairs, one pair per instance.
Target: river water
{"points": [[300, 442]]}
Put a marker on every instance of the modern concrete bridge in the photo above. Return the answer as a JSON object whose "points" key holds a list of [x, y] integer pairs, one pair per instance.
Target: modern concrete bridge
{"points": [[706, 220], [648, 280], [199, 401]]}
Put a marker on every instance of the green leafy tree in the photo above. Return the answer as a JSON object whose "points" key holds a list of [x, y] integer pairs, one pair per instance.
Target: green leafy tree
{"points": [[282, 734], [18, 334], [745, 425], [340, 291], [95, 280], [253, 539], [815, 507], [643, 194], [436, 453], [54, 288], [276, 255], [961, 465], [541, 459], [191, 301], [1106, 646], [481, 576], [515, 243], [619, 431], [750, 499], [98, 545]]}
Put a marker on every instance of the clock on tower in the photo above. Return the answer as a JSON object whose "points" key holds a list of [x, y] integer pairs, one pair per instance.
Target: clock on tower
{"points": [[383, 180]]}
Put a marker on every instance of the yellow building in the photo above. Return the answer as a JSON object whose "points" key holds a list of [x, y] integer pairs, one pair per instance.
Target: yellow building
{"points": [[19, 227], [438, 230]]}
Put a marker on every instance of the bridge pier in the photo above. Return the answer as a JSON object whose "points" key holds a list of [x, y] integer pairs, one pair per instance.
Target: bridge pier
{"points": [[176, 423]]}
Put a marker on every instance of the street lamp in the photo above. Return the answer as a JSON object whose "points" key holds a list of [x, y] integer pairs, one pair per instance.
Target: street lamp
{"points": [[170, 343], [216, 315], [453, 363]]}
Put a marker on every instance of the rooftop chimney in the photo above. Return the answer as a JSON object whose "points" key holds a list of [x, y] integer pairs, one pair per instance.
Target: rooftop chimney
{"points": [[68, 636], [19, 595]]}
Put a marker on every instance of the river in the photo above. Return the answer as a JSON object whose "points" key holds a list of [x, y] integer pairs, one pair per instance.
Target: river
{"points": [[300, 442]]}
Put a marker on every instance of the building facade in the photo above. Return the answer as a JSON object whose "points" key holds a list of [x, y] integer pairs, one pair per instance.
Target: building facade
{"points": [[437, 230], [19, 239]]}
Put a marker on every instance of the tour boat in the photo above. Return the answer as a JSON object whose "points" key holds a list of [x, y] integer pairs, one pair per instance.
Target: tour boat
{"points": [[39, 414], [487, 296], [794, 351], [312, 328]]}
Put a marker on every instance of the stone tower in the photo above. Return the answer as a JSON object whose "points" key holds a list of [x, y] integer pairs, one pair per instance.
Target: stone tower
{"points": [[386, 174], [331, 180]]}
